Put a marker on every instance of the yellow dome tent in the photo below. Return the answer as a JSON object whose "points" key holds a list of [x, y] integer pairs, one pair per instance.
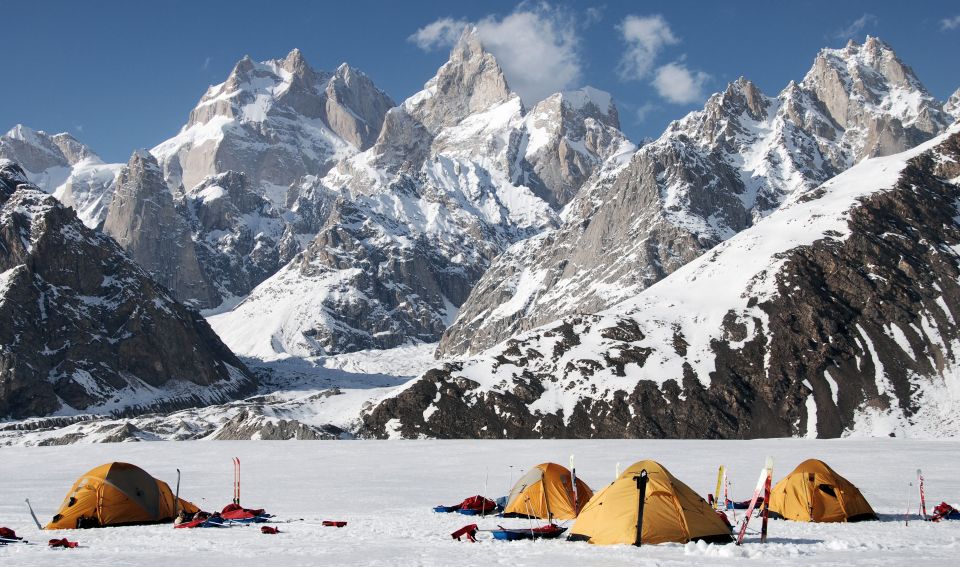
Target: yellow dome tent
{"points": [[546, 492], [814, 492], [672, 512], [117, 494]]}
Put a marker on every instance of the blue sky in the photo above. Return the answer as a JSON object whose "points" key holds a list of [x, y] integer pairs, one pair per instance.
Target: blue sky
{"points": [[124, 75]]}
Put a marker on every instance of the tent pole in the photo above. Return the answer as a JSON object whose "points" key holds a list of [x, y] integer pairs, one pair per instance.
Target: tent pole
{"points": [[641, 481]]}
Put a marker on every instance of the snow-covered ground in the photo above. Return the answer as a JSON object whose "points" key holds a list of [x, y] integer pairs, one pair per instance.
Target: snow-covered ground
{"points": [[385, 490]]}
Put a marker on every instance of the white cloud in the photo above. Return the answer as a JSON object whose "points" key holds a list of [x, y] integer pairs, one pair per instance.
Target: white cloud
{"points": [[593, 14], [206, 64], [678, 84], [950, 23], [440, 33], [856, 27], [536, 46], [642, 111], [645, 37]]}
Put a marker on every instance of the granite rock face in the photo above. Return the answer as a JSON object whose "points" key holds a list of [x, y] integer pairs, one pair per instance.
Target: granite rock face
{"points": [[711, 175], [144, 220], [86, 328], [275, 121], [835, 313]]}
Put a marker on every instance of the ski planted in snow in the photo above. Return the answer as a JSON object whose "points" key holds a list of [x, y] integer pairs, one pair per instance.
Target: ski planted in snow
{"points": [[716, 495], [762, 483], [236, 480], [923, 498], [641, 481]]}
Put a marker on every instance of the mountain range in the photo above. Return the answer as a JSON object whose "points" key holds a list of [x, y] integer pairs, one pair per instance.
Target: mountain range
{"points": [[719, 281]]}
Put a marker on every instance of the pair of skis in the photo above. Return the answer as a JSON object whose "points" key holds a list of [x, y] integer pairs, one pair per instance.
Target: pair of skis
{"points": [[763, 485]]}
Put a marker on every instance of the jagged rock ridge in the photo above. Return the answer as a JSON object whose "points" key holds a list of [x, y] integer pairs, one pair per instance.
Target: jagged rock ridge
{"points": [[708, 177]]}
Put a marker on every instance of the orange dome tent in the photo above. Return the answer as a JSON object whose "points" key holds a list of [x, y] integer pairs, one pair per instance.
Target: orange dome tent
{"points": [[546, 492], [814, 492], [672, 512], [117, 494]]}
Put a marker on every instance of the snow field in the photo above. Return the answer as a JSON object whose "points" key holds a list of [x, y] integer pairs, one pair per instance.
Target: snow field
{"points": [[385, 490]]}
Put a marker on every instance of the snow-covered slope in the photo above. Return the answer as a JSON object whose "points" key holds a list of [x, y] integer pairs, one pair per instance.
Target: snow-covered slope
{"points": [[833, 315], [85, 329], [709, 176], [458, 173], [65, 168]]}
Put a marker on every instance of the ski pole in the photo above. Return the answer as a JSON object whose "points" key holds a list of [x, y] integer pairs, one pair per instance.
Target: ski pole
{"points": [[483, 503], [34, 516], [176, 497], [906, 516]]}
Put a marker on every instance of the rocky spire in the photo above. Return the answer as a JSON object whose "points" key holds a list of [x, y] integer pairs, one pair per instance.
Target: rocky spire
{"points": [[470, 81], [143, 220], [355, 107]]}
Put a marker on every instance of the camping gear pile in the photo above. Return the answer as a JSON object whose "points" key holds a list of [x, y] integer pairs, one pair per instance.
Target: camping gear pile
{"points": [[471, 506]]}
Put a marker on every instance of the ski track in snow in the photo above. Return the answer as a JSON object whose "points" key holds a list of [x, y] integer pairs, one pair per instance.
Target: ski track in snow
{"points": [[385, 490]]}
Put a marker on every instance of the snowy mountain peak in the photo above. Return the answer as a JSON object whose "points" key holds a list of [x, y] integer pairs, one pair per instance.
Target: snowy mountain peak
{"points": [[143, 158], [593, 103], [277, 121], [295, 62], [37, 151], [952, 106], [471, 81], [861, 81], [710, 175]]}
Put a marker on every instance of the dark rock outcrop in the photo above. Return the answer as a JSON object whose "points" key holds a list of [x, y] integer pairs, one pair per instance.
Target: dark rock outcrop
{"points": [[87, 329]]}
